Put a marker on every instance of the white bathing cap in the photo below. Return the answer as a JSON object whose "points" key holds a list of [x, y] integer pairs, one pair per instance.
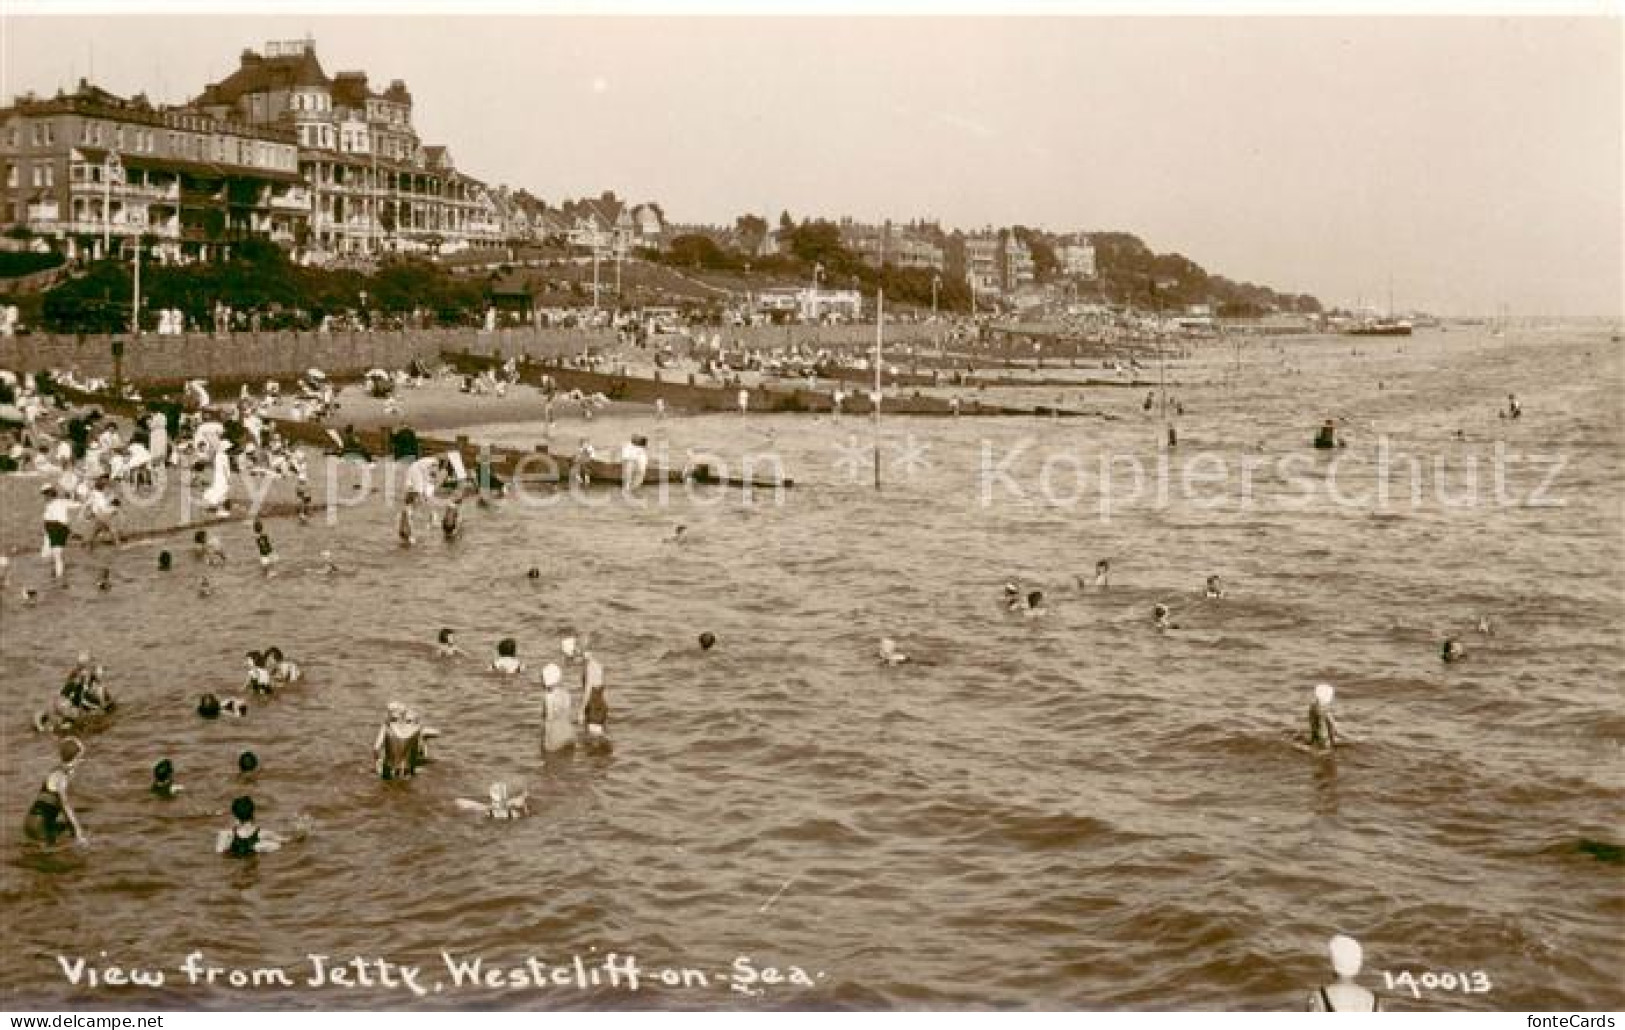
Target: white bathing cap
{"points": [[1347, 955], [1324, 693], [551, 676], [568, 646]]}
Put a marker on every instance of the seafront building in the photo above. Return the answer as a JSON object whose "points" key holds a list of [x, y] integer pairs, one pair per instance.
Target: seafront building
{"points": [[93, 171], [375, 186], [327, 166]]}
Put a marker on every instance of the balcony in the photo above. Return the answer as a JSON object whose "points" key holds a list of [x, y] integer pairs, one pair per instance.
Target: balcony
{"points": [[294, 201]]}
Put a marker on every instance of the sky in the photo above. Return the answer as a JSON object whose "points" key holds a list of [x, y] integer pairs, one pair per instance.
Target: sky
{"points": [[1474, 162]]}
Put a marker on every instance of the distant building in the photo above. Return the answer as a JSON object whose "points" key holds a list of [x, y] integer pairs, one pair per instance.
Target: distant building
{"points": [[89, 166], [984, 265], [374, 186], [890, 244]]}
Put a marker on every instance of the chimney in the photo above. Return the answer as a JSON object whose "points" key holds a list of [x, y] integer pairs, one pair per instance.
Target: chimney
{"points": [[250, 58]]}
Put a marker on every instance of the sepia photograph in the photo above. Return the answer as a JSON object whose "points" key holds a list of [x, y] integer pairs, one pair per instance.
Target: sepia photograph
{"points": [[747, 508]]}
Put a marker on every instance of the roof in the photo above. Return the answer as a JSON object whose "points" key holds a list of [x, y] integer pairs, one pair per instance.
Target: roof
{"points": [[266, 74]]}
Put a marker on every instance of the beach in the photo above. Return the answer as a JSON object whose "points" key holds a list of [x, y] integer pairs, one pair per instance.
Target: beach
{"points": [[1073, 811]]}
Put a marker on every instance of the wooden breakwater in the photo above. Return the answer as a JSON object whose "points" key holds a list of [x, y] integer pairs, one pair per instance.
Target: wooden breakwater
{"points": [[488, 464]]}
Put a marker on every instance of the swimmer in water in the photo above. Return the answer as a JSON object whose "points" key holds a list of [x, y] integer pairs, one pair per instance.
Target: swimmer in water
{"points": [[451, 520], [678, 535], [446, 646], [1452, 651], [245, 839], [248, 764], [1035, 605], [503, 804], [708, 640], [1213, 591], [404, 530], [1484, 626], [165, 561], [533, 574], [82, 695], [211, 706], [889, 655], [51, 817], [1012, 596], [207, 547], [1345, 995], [204, 588], [1162, 618], [283, 670], [105, 583], [328, 567], [507, 660], [1103, 574], [30, 597], [163, 779], [1322, 723]]}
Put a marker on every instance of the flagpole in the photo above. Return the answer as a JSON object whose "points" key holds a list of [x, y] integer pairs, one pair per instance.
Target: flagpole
{"points": [[880, 330]]}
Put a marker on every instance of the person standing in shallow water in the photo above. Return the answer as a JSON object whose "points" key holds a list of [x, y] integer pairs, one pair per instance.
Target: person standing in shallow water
{"points": [[51, 817]]}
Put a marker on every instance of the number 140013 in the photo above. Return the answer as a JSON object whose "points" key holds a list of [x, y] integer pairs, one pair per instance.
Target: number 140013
{"points": [[1472, 982]]}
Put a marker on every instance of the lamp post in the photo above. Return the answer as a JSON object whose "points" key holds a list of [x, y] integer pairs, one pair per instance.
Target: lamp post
{"points": [[812, 300], [936, 284]]}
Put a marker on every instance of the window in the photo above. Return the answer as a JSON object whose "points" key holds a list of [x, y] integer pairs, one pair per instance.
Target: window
{"points": [[11, 177], [36, 136], [50, 175], [50, 134]]}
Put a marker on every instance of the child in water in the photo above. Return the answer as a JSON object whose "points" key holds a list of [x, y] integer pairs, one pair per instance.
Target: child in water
{"points": [[248, 766], [1451, 651], [211, 706], [451, 520], [503, 804], [82, 695], [51, 817], [708, 640], [1213, 591], [1162, 618], [889, 655], [447, 646], [163, 779], [507, 660], [402, 743], [1035, 605]]}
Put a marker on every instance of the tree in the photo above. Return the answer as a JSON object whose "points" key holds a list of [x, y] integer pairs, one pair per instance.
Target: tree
{"points": [[752, 232], [697, 251]]}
